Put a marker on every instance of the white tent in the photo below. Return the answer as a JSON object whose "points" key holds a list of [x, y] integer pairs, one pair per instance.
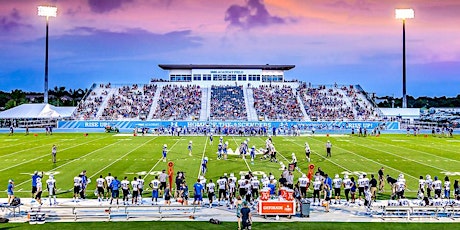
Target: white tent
{"points": [[37, 111]]}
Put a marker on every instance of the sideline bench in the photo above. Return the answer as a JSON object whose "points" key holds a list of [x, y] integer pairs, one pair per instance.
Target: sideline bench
{"points": [[410, 212], [110, 212]]}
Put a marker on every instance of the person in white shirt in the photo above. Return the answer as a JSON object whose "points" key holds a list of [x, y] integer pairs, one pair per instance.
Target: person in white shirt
{"points": [[108, 180], [77, 186], [421, 188], [446, 187], [210, 187], [141, 187], [125, 188], [231, 190], [437, 185], [38, 194], [255, 187], [360, 186], [51, 186], [316, 189], [307, 151], [303, 184], [100, 188], [337, 184], [222, 184], [347, 184], [429, 185], [155, 185], [294, 160], [400, 188], [135, 188]]}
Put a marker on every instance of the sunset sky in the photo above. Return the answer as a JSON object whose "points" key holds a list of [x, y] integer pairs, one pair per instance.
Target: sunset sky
{"points": [[343, 41]]}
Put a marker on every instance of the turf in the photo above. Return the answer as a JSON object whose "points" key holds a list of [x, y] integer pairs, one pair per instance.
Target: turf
{"points": [[231, 225], [101, 153]]}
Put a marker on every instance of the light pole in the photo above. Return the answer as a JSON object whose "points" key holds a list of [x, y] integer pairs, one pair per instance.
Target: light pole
{"points": [[46, 11], [404, 14]]}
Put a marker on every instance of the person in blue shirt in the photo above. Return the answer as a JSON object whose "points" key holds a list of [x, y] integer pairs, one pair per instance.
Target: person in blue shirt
{"points": [[328, 181], [210, 138], [10, 191], [190, 148], [34, 182], [204, 166], [219, 151], [115, 189], [253, 154], [165, 152], [198, 189]]}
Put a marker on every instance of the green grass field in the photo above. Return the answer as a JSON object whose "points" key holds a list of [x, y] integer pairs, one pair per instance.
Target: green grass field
{"points": [[101, 153]]}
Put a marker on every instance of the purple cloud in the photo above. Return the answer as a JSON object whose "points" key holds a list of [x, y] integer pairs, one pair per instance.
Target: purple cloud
{"points": [[104, 6], [12, 21], [252, 14]]}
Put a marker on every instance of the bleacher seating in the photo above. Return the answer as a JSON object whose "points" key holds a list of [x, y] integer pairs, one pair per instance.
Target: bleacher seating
{"points": [[276, 103], [179, 103], [227, 103], [87, 109], [129, 102]]}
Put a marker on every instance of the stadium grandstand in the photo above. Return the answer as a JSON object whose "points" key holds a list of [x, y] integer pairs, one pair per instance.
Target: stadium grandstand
{"points": [[227, 93]]}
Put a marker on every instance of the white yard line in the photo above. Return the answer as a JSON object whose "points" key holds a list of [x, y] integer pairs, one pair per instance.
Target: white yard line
{"points": [[249, 168], [419, 151], [24, 150], [367, 159], [54, 169], [396, 155], [119, 158], [202, 156], [325, 158], [48, 155]]}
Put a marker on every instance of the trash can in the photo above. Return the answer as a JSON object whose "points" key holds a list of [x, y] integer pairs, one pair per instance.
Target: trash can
{"points": [[304, 208]]}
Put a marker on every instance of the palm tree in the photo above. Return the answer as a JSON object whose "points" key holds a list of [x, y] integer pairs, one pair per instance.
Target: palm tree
{"points": [[58, 93]]}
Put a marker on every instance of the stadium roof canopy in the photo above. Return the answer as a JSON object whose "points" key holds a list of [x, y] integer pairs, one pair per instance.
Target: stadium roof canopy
{"points": [[193, 66], [37, 111]]}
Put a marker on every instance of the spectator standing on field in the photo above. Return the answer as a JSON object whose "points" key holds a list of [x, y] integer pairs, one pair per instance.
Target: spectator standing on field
{"points": [[10, 190]]}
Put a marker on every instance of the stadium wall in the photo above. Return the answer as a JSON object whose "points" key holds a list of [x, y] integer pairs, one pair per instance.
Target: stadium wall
{"points": [[319, 125]]}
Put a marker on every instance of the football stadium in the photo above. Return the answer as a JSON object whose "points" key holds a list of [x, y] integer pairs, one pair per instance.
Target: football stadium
{"points": [[219, 146]]}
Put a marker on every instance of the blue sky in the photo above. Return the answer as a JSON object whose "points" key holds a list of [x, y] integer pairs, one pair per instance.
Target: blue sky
{"points": [[343, 41]]}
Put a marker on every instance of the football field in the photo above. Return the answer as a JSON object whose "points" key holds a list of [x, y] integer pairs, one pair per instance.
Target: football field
{"points": [[128, 155]]}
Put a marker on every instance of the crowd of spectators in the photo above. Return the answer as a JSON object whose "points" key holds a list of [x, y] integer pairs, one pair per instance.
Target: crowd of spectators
{"points": [[179, 103], [87, 109], [364, 111], [130, 102], [227, 103], [277, 103], [325, 104]]}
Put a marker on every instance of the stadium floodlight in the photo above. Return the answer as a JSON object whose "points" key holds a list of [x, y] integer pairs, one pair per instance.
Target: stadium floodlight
{"points": [[404, 14], [46, 11]]}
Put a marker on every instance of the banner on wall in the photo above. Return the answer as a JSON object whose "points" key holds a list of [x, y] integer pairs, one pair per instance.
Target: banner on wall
{"points": [[319, 125]]}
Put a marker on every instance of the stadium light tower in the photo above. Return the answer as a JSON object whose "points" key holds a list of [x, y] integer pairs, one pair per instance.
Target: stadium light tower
{"points": [[46, 11], [404, 14]]}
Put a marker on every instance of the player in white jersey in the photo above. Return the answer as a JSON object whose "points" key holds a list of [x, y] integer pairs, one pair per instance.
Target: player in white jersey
{"points": [[190, 148], [108, 180], [76, 186], [347, 184], [141, 187], [400, 188], [241, 188], [294, 160], [135, 188], [446, 187], [155, 185], [125, 188], [421, 188], [361, 184], [307, 151], [255, 187], [303, 184], [337, 184], [222, 184], [429, 185], [210, 188], [38, 194], [51, 187], [231, 190], [100, 188], [316, 188], [265, 181], [437, 185], [232, 177]]}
